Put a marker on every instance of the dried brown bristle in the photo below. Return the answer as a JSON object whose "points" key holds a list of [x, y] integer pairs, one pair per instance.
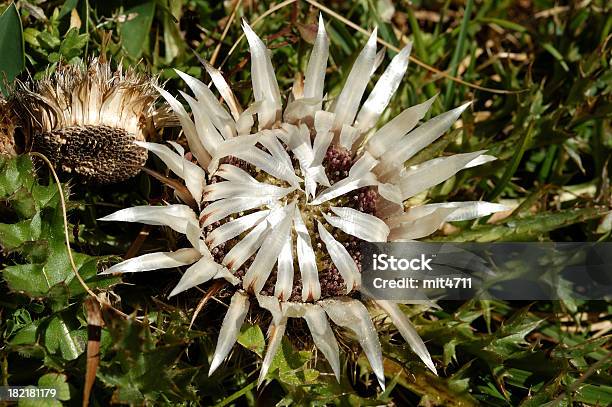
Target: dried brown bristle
{"points": [[8, 122], [86, 119]]}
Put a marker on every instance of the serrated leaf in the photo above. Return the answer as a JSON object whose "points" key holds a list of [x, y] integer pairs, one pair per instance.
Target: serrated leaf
{"points": [[436, 391], [14, 235], [41, 239], [15, 173], [519, 229], [582, 348], [450, 353], [73, 43], [23, 203]]}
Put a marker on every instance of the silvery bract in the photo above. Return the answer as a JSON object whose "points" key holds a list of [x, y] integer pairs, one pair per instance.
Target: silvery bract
{"points": [[283, 209]]}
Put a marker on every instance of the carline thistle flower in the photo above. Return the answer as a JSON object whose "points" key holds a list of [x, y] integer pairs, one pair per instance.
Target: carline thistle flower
{"points": [[283, 209]]}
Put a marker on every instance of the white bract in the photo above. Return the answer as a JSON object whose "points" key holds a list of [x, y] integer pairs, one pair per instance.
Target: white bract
{"points": [[286, 205]]}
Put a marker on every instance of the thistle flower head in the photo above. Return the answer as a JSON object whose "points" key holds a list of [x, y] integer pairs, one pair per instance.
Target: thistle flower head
{"points": [[85, 118], [286, 195]]}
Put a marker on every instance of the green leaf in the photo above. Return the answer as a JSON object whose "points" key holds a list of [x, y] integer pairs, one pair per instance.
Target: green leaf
{"points": [[31, 279], [23, 203], [64, 339], [252, 338], [556, 54], [55, 381], [135, 30], [436, 391], [14, 235], [40, 239], [504, 23], [518, 229], [141, 370], [73, 43], [516, 160], [289, 366], [67, 7], [582, 348], [173, 40], [511, 337], [48, 40], [26, 335], [14, 174], [58, 382], [449, 95], [12, 51]]}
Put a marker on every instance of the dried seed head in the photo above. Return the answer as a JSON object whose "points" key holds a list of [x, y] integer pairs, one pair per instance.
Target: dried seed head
{"points": [[86, 119], [8, 123]]}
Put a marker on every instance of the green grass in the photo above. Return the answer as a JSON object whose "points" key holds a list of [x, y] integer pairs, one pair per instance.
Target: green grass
{"points": [[552, 134]]}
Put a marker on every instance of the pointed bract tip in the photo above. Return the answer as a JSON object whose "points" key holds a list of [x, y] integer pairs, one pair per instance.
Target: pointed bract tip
{"points": [[199, 57], [373, 37], [214, 365], [464, 106], [429, 102], [321, 27], [381, 381], [456, 112], [407, 49], [173, 292], [209, 68], [185, 95], [247, 28], [160, 89]]}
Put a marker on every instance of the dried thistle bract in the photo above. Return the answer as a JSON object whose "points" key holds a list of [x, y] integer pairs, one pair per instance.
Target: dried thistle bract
{"points": [[8, 123]]}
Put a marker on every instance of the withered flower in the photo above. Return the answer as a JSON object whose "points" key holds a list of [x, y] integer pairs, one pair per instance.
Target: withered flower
{"points": [[86, 118]]}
